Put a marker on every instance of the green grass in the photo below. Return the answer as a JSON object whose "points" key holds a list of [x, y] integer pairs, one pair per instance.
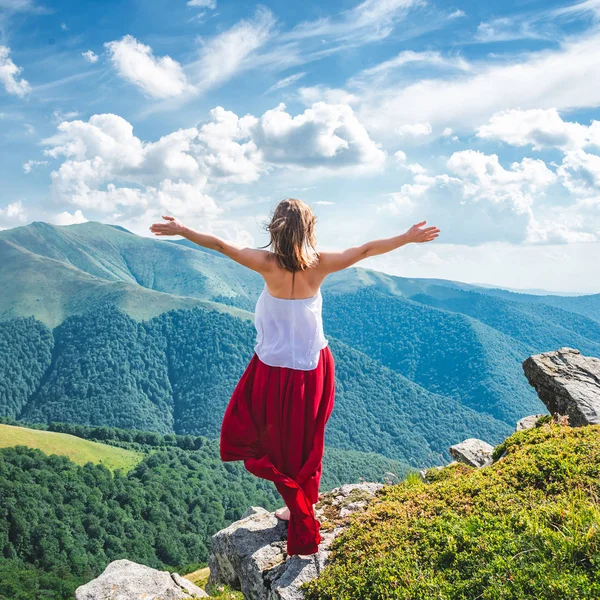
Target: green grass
{"points": [[526, 527], [78, 450]]}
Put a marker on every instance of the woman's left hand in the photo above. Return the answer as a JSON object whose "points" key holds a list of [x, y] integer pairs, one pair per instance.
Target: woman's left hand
{"points": [[171, 227]]}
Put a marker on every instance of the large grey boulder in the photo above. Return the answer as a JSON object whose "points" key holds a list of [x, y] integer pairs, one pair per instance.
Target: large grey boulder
{"points": [[473, 452], [126, 580], [568, 383], [250, 554]]}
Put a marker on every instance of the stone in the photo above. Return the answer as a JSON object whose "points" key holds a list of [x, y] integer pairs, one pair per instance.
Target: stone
{"points": [[527, 422], [568, 383], [473, 452], [250, 554], [126, 580]]}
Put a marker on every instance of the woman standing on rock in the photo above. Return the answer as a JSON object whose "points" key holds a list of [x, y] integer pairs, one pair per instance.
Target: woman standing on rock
{"points": [[275, 420]]}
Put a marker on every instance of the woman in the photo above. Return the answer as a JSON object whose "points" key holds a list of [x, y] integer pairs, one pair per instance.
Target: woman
{"points": [[275, 420]]}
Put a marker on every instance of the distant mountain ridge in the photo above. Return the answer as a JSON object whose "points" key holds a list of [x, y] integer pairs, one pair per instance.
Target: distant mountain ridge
{"points": [[452, 346]]}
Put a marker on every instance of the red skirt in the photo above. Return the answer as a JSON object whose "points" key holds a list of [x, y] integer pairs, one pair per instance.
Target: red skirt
{"points": [[275, 422]]}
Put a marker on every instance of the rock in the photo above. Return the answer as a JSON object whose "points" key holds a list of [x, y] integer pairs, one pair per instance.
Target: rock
{"points": [[528, 422], [250, 554], [126, 580], [473, 452], [568, 383]]}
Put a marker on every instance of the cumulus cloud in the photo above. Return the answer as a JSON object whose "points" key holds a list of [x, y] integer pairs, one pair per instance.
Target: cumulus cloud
{"points": [[67, 218], [478, 200], [9, 75], [90, 56], [580, 173], [106, 167], [539, 128], [328, 135], [12, 214], [160, 77]]}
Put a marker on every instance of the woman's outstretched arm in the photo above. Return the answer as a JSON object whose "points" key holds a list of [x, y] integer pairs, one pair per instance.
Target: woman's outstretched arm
{"points": [[253, 258], [336, 261]]}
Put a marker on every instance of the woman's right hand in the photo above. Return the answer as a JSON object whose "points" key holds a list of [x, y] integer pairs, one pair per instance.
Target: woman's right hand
{"points": [[171, 227], [418, 233]]}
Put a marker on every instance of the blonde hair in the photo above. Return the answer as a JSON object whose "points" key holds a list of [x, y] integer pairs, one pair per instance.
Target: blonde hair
{"points": [[292, 231]]}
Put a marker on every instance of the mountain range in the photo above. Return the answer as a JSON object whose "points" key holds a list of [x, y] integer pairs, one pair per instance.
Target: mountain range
{"points": [[104, 327]]}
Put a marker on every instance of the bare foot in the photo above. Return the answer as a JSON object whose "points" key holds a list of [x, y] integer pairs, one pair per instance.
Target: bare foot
{"points": [[283, 513]]}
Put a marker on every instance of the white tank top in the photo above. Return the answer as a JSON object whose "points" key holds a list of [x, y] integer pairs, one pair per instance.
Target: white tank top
{"points": [[289, 331]]}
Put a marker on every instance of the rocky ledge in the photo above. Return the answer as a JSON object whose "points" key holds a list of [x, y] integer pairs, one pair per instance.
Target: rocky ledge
{"points": [[250, 555], [568, 383], [126, 580]]}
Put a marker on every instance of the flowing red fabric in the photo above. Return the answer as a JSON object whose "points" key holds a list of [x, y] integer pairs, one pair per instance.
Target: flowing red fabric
{"points": [[275, 422]]}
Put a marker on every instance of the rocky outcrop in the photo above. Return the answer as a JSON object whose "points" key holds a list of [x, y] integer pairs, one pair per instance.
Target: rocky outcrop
{"points": [[527, 422], [126, 580], [473, 452], [250, 555], [568, 383]]}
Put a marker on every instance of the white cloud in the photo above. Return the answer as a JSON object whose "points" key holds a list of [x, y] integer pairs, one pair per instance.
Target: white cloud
{"points": [[382, 71], [209, 4], [507, 29], [322, 137], [414, 129], [12, 213], [479, 200], [539, 128], [323, 203], [580, 173], [370, 20], [565, 79], [226, 148], [226, 54], [31, 164], [285, 82], [107, 167], [9, 75], [325, 135], [67, 218], [90, 56], [400, 156], [160, 77]]}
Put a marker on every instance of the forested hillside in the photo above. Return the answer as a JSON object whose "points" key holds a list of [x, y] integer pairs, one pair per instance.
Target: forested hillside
{"points": [[460, 341], [176, 373], [63, 523]]}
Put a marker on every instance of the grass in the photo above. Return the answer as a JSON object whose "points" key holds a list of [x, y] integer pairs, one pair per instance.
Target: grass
{"points": [[78, 450], [526, 527]]}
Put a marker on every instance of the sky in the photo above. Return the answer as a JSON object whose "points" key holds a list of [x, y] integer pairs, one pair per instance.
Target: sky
{"points": [[482, 118]]}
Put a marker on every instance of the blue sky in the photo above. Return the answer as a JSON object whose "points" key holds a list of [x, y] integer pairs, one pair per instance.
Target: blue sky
{"points": [[482, 118]]}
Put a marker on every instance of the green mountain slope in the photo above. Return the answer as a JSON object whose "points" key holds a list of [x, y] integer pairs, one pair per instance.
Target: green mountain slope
{"points": [[74, 448], [447, 353], [457, 340], [176, 373], [524, 527]]}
